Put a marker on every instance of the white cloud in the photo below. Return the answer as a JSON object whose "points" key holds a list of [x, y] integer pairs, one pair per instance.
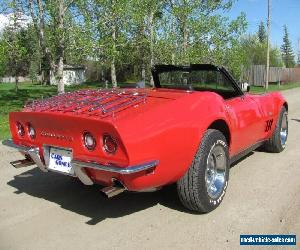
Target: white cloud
{"points": [[8, 20], [4, 21]]}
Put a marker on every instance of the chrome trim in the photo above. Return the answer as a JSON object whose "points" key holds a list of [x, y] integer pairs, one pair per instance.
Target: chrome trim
{"points": [[284, 129], [10, 143], [112, 191], [34, 153], [125, 104], [82, 176], [115, 169], [35, 156], [99, 103], [78, 165], [215, 172], [22, 163]]}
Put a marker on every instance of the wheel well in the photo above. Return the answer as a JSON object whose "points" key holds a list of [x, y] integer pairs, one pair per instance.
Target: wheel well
{"points": [[222, 126], [286, 106]]}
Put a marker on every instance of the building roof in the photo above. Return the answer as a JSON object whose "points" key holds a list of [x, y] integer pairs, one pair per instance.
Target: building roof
{"points": [[73, 67]]}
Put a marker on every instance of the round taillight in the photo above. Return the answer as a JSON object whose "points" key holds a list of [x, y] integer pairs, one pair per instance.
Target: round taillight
{"points": [[109, 144], [31, 132], [89, 141], [20, 129]]}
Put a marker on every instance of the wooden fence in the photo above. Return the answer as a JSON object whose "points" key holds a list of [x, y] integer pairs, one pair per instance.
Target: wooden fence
{"points": [[256, 75], [11, 79]]}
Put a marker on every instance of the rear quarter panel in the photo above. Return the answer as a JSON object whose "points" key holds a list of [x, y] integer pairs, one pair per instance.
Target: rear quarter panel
{"points": [[170, 134]]}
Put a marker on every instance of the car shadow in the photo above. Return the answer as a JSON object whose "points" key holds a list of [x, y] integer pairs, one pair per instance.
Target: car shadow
{"points": [[243, 158], [296, 120], [70, 194]]}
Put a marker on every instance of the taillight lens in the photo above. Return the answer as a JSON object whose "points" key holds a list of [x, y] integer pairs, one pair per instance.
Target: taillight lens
{"points": [[110, 145], [31, 132], [89, 141], [20, 129]]}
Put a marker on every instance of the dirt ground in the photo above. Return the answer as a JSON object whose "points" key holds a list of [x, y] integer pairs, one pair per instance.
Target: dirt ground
{"points": [[50, 211]]}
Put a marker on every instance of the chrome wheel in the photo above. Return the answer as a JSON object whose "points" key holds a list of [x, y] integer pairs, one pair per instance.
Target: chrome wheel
{"points": [[284, 129], [215, 171]]}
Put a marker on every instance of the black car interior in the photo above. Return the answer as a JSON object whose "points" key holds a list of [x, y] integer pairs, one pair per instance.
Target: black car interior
{"points": [[197, 77]]}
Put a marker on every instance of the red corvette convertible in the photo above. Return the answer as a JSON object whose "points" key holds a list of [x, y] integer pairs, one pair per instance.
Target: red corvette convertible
{"points": [[188, 129]]}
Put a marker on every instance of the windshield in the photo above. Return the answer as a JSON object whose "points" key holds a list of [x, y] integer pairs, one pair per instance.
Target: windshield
{"points": [[195, 80]]}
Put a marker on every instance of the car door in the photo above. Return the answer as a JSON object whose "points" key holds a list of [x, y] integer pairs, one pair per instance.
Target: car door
{"points": [[246, 122]]}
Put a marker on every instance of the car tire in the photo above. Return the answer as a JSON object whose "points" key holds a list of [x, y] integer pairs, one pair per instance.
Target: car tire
{"points": [[203, 186], [277, 142]]}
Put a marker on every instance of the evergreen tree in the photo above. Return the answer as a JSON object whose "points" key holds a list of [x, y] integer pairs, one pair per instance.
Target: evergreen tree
{"points": [[287, 50], [261, 33]]}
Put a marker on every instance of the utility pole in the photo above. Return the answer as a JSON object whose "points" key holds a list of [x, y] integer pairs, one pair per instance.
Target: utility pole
{"points": [[298, 59], [268, 43]]}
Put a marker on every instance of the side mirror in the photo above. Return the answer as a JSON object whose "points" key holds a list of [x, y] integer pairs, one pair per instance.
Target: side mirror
{"points": [[245, 87]]}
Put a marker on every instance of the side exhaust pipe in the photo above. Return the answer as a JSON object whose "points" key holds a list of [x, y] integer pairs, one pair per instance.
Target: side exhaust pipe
{"points": [[22, 163]]}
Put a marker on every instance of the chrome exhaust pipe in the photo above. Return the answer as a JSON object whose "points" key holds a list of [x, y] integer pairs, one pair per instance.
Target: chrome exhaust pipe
{"points": [[22, 163], [112, 191]]}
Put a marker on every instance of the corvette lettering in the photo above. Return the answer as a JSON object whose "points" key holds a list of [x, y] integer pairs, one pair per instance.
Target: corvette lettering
{"points": [[56, 136]]}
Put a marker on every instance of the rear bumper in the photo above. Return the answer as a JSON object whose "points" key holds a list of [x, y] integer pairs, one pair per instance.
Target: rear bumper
{"points": [[116, 169], [79, 166]]}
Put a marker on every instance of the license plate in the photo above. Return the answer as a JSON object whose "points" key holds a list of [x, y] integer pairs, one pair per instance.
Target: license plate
{"points": [[60, 160]]}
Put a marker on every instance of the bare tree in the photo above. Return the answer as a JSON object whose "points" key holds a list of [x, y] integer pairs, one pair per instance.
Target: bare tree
{"points": [[51, 61], [38, 17], [12, 40]]}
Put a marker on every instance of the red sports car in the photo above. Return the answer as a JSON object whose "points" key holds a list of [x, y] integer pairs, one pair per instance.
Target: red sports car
{"points": [[187, 130]]}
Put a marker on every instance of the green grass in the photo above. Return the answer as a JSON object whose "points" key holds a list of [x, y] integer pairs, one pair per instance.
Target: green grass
{"points": [[10, 100], [274, 87]]}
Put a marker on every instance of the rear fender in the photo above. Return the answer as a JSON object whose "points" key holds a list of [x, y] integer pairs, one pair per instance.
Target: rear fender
{"points": [[172, 135]]}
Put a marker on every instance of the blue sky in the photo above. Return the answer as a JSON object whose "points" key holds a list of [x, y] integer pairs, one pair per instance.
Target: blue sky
{"points": [[283, 12]]}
